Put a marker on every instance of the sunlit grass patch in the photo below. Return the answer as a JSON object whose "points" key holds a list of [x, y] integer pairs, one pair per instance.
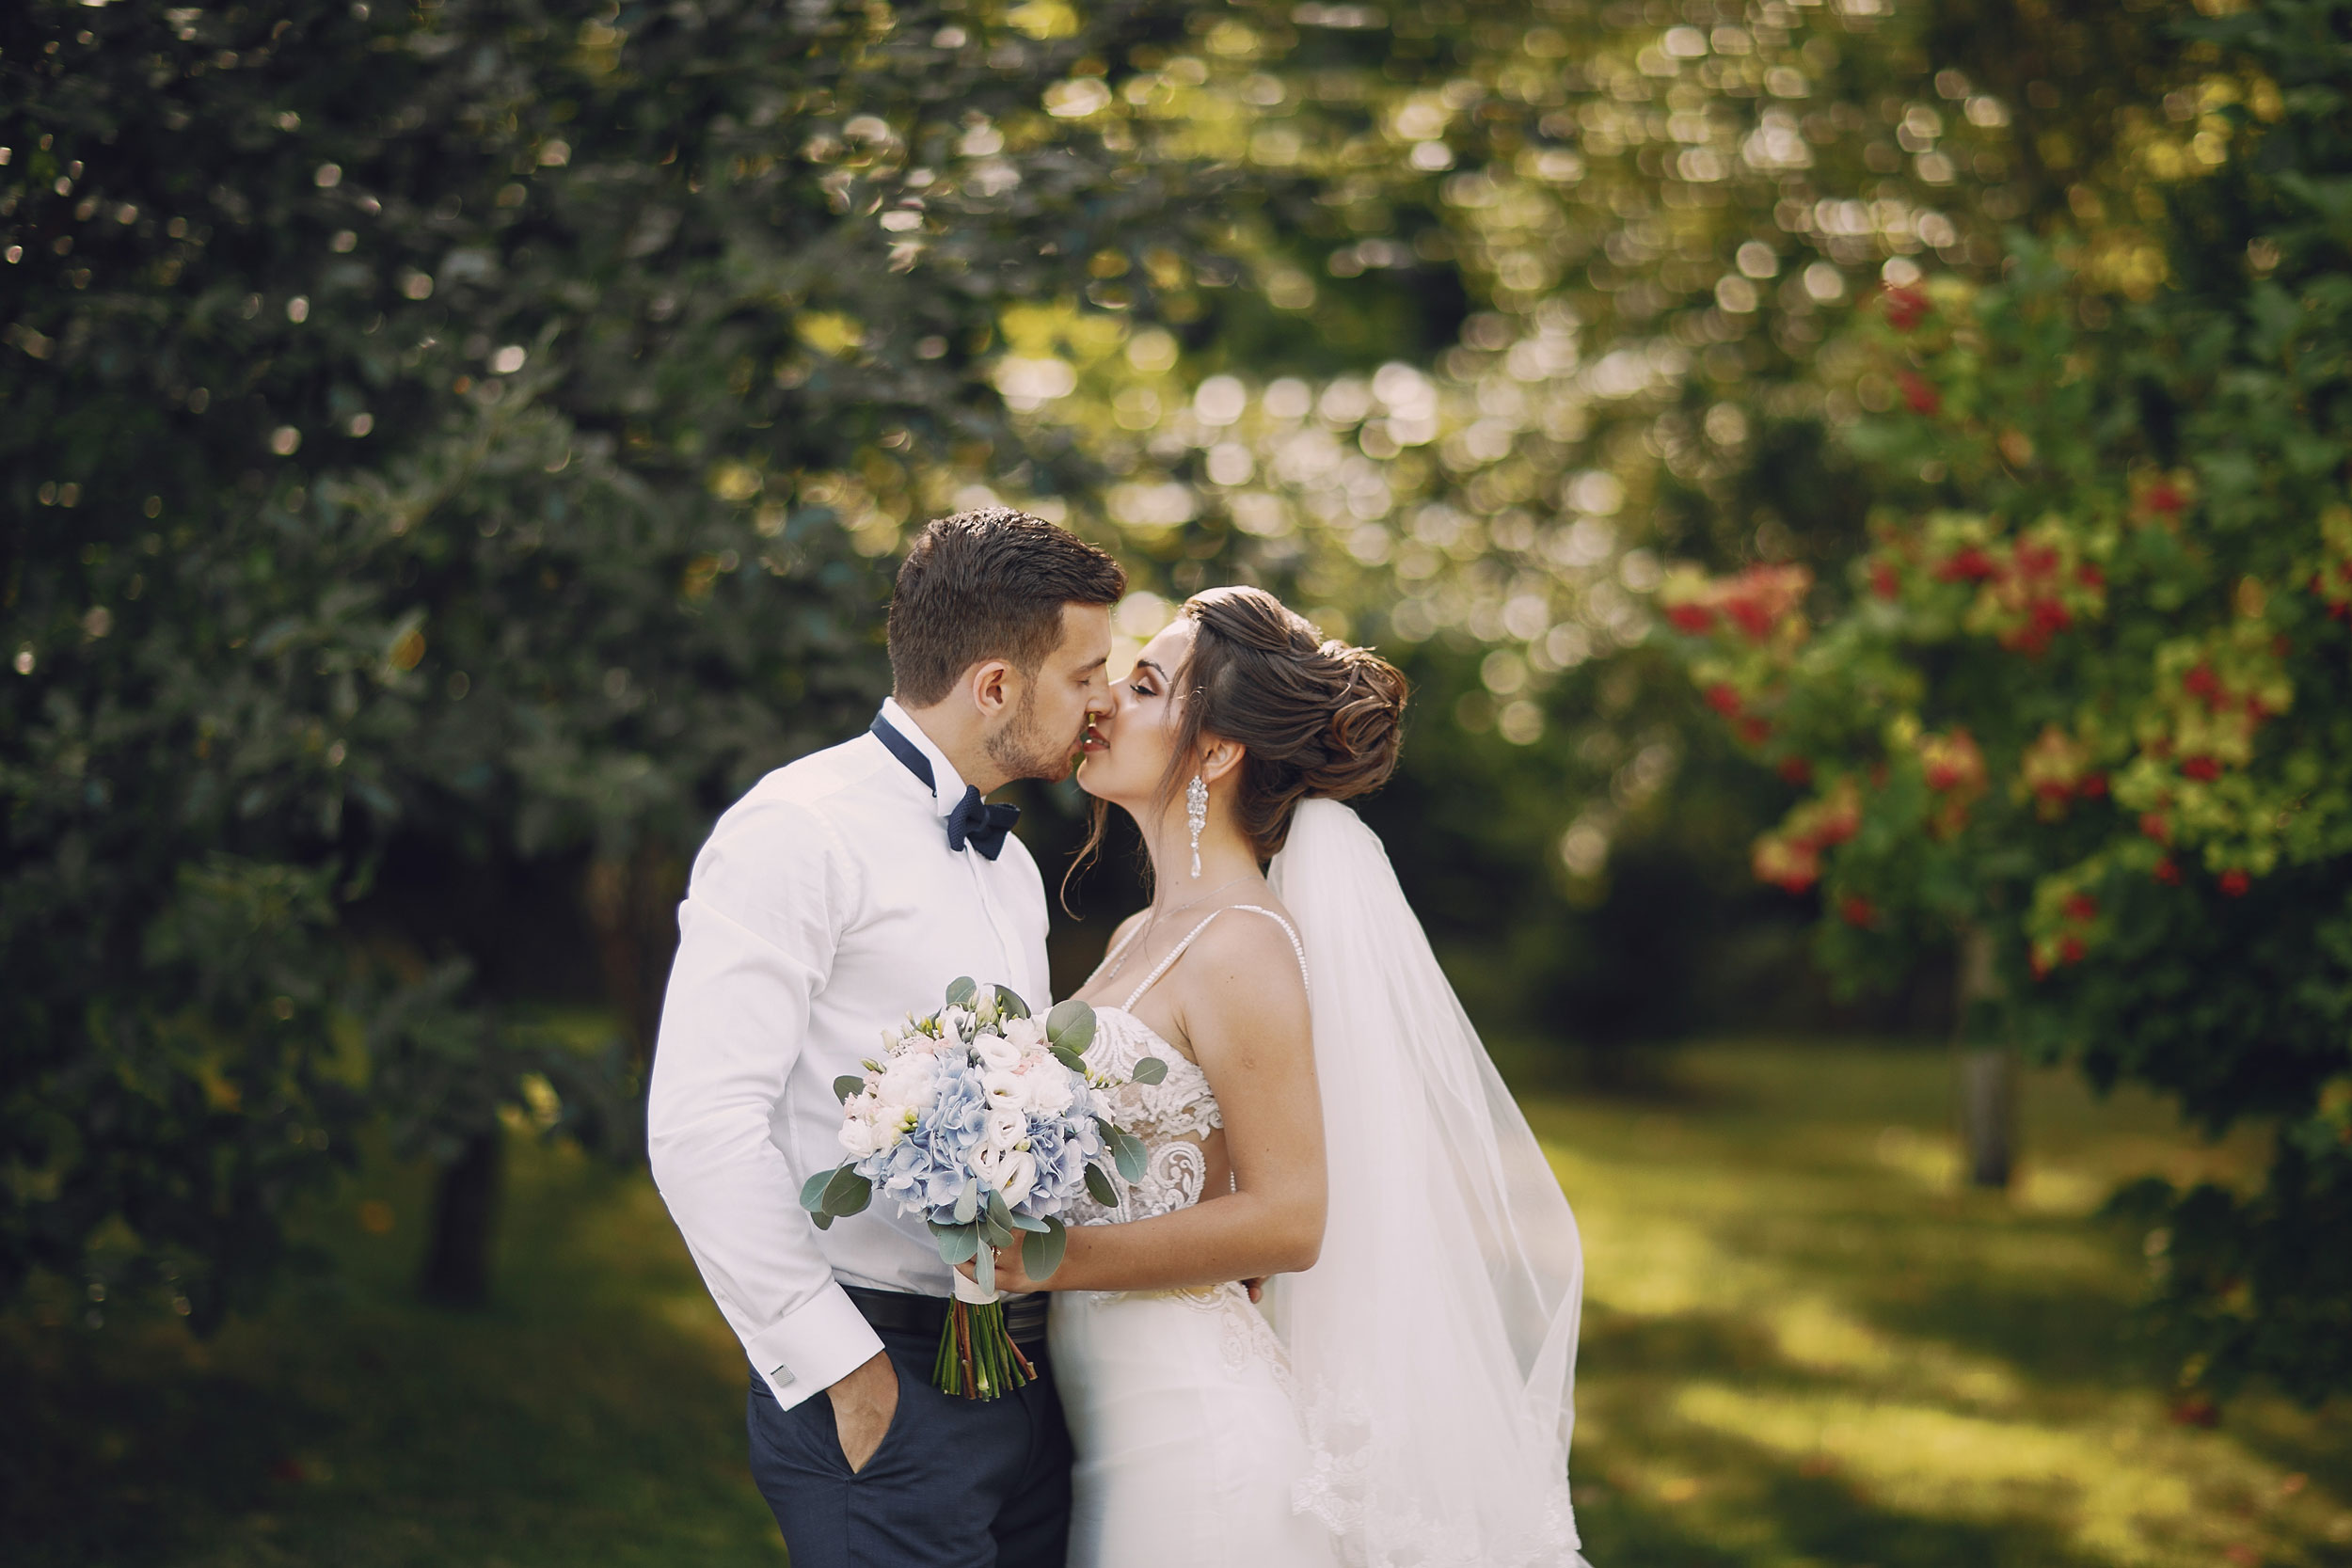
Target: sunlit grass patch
{"points": [[1808, 1344]]}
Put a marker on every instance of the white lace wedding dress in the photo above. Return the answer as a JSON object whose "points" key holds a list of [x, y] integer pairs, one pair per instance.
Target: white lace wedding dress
{"points": [[1410, 1404], [1190, 1448]]}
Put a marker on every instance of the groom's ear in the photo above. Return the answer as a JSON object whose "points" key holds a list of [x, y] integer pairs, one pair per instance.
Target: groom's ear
{"points": [[994, 685]]}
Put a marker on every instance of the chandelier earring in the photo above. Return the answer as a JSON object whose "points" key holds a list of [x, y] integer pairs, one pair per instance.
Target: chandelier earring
{"points": [[1196, 816]]}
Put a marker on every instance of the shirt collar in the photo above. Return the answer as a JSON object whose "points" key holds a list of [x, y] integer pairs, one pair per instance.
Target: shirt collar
{"points": [[948, 784]]}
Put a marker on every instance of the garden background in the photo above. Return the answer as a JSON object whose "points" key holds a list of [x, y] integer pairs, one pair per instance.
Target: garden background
{"points": [[1860, 488]]}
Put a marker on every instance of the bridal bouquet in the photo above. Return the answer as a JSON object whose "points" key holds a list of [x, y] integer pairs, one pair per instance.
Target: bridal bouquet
{"points": [[988, 1123]]}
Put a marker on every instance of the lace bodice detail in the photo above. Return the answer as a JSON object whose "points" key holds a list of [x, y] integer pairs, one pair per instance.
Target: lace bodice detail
{"points": [[1174, 1116]]}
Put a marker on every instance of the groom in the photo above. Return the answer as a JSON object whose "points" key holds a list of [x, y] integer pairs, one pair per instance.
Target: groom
{"points": [[844, 892]]}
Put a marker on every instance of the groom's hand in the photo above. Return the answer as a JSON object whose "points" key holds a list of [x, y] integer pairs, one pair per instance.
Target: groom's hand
{"points": [[863, 1404]]}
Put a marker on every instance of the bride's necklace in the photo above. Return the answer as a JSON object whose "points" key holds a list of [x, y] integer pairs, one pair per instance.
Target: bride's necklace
{"points": [[1143, 938]]}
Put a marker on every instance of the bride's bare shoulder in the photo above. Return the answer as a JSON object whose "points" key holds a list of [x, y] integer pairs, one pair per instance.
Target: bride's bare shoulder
{"points": [[1250, 950]]}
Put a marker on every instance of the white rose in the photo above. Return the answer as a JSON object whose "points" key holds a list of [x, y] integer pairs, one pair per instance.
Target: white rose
{"points": [[911, 1081], [996, 1052], [857, 1136], [1005, 1090]]}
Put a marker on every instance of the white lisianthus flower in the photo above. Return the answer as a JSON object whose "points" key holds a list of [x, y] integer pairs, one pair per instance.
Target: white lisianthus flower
{"points": [[1048, 1088], [1026, 1033], [1005, 1091], [954, 1023], [1005, 1128], [1010, 1171], [996, 1052]]}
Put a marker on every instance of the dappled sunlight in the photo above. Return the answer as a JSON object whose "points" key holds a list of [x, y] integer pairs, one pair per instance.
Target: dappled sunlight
{"points": [[1808, 1342]]}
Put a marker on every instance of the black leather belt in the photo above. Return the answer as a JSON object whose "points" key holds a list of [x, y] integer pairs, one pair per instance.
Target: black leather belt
{"points": [[901, 1312]]}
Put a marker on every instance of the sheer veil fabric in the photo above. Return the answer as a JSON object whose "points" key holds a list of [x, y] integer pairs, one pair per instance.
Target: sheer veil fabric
{"points": [[1433, 1342]]}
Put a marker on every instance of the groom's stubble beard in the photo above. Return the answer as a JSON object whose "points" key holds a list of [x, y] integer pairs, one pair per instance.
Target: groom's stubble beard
{"points": [[1022, 751]]}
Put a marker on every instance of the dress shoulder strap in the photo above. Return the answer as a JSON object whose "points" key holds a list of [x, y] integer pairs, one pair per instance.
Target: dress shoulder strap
{"points": [[1165, 964], [1177, 951], [1297, 947]]}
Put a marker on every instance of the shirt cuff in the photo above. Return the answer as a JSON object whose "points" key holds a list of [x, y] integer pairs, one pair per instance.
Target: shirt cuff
{"points": [[814, 1346]]}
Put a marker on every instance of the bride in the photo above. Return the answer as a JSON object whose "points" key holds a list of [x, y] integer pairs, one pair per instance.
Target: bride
{"points": [[1329, 1119]]}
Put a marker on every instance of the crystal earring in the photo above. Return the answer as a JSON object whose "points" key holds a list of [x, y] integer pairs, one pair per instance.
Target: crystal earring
{"points": [[1196, 815]]}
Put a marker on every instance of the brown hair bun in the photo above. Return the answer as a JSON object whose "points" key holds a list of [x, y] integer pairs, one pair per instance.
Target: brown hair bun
{"points": [[1312, 716]]}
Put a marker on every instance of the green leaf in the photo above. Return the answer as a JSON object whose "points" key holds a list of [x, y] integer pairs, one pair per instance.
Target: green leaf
{"points": [[1071, 1026], [960, 991], [847, 1085], [825, 1220], [999, 1213], [1099, 1186], [967, 1201], [985, 1268], [1027, 1222], [1068, 1058], [1009, 1003], [1040, 1254], [957, 1243], [1148, 1070], [812, 1190], [848, 1193], [1128, 1152]]}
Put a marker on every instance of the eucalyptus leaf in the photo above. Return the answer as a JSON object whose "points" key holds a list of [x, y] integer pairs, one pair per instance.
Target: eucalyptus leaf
{"points": [[999, 1211], [1068, 1058], [848, 1193], [967, 1201], [957, 1243], [984, 1269], [825, 1220], [1009, 1003], [1070, 1025], [1027, 1222], [1148, 1070], [1041, 1251], [812, 1190], [847, 1085], [960, 991], [1130, 1156], [1099, 1186]]}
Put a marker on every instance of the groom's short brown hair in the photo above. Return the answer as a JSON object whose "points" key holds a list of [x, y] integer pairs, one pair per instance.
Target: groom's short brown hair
{"points": [[988, 584]]}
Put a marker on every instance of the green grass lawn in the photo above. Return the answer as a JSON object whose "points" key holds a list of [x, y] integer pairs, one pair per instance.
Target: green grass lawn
{"points": [[1804, 1344]]}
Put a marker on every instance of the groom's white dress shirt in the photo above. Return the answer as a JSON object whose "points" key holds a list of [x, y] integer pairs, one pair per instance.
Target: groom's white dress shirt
{"points": [[825, 907]]}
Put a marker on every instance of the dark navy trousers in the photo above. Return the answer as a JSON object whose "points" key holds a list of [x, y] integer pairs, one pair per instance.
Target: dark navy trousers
{"points": [[957, 1482]]}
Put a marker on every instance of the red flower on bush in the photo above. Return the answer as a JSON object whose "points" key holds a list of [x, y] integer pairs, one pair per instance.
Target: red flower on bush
{"points": [[2071, 950], [1854, 909], [1906, 307], [1920, 393], [2203, 769], [2082, 905], [1884, 581], [2234, 882], [2167, 873], [1725, 699], [1969, 563]]}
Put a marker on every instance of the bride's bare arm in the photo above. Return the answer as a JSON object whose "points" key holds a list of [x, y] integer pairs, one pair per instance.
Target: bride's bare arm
{"points": [[1243, 1007]]}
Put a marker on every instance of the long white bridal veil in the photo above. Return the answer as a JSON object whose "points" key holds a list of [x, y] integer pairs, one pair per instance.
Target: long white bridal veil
{"points": [[1433, 1342]]}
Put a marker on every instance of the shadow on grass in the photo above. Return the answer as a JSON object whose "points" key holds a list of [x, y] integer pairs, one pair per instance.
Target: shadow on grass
{"points": [[591, 1414]]}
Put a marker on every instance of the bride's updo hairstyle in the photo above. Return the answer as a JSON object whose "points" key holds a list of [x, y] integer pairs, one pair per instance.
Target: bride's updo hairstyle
{"points": [[1312, 716]]}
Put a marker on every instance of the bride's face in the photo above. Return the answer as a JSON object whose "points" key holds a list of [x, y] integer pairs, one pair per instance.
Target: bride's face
{"points": [[1128, 750]]}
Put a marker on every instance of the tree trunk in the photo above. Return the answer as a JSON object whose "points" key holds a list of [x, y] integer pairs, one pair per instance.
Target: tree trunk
{"points": [[633, 906], [465, 1202], [1987, 1070]]}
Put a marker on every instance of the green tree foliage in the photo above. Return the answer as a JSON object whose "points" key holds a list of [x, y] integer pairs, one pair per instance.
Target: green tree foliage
{"points": [[2091, 693], [448, 455]]}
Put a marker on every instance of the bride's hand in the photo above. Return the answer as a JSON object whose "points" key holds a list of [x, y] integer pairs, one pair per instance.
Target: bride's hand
{"points": [[1011, 1280]]}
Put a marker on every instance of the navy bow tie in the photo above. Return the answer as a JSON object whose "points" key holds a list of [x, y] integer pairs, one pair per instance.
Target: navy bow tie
{"points": [[973, 822]]}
